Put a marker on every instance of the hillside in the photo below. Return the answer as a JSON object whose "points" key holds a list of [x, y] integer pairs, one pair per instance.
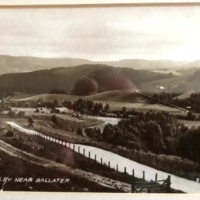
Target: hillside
{"points": [[44, 81], [115, 96], [184, 95], [184, 83], [150, 64], [116, 100], [65, 78], [12, 64], [48, 98], [118, 96]]}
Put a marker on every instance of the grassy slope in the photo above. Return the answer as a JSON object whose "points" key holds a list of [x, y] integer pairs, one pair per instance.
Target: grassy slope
{"points": [[115, 95], [186, 82], [118, 96], [12, 64], [116, 99], [64, 78], [48, 98], [185, 95], [170, 85]]}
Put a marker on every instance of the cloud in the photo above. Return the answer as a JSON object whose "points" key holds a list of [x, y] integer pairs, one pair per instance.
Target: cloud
{"points": [[101, 33]]}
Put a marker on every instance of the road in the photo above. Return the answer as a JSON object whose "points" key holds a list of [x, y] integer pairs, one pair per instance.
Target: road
{"points": [[113, 159], [106, 120]]}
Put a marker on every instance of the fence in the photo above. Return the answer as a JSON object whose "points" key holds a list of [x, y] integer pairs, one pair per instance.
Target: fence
{"points": [[152, 186], [172, 164], [85, 152]]}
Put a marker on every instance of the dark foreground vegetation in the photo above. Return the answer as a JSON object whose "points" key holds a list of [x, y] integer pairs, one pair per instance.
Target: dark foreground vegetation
{"points": [[43, 148], [16, 168]]}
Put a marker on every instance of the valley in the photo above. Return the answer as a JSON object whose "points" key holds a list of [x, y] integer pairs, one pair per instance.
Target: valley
{"points": [[100, 124]]}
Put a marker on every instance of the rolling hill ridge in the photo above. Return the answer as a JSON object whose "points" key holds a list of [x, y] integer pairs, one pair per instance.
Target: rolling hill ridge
{"points": [[65, 78]]}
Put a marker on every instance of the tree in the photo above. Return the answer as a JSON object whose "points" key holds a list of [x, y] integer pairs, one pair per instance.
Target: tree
{"points": [[191, 116], [124, 112], [153, 137], [20, 114], [55, 103], [190, 143], [133, 145], [55, 110], [108, 133], [106, 107], [11, 114], [30, 121], [37, 110], [67, 104], [54, 119], [96, 109], [79, 131], [9, 134], [134, 131]]}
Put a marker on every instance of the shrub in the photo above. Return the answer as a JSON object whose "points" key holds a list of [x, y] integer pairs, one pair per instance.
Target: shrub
{"points": [[30, 121], [20, 114], [10, 133], [11, 114], [79, 131], [54, 119]]}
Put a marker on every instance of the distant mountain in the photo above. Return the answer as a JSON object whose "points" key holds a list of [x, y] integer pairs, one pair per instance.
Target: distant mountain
{"points": [[184, 83], [12, 64], [65, 78], [193, 82], [195, 64], [41, 75], [149, 64]]}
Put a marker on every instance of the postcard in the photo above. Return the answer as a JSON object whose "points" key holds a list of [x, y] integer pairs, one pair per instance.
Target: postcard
{"points": [[100, 99]]}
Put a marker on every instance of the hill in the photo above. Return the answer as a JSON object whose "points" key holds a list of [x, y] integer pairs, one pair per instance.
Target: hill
{"points": [[118, 96], [116, 100], [150, 64], [12, 64], [115, 96], [65, 78], [184, 95], [48, 98]]}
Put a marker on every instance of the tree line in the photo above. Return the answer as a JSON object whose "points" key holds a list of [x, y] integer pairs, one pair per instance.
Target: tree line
{"points": [[160, 133], [88, 107], [190, 103]]}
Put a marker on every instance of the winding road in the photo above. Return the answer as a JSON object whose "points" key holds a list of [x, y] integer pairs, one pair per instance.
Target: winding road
{"points": [[119, 162]]}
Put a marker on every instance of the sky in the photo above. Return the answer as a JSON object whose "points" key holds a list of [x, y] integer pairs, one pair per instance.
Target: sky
{"points": [[102, 33]]}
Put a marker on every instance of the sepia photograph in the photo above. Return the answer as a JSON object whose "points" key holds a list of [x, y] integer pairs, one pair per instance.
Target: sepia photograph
{"points": [[102, 99]]}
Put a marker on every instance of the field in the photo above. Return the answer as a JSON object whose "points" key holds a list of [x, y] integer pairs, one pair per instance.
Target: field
{"points": [[64, 126], [185, 95], [115, 99], [169, 85], [117, 106], [190, 123], [116, 95], [47, 98]]}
